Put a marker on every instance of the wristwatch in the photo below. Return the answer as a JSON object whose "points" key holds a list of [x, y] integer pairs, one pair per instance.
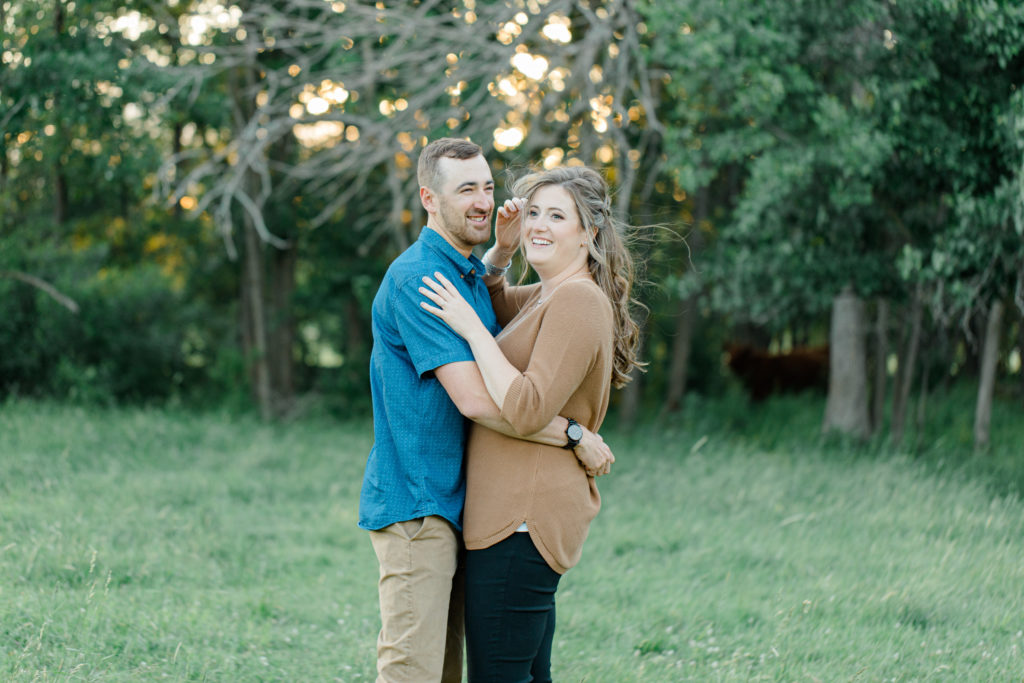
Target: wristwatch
{"points": [[573, 434], [491, 269]]}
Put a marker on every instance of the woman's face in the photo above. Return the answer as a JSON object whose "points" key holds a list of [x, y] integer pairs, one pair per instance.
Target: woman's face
{"points": [[553, 238]]}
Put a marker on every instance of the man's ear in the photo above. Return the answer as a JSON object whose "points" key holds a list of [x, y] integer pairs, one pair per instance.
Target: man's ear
{"points": [[428, 200]]}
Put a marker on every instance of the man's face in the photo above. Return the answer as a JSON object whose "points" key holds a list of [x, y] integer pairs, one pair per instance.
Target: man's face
{"points": [[465, 201]]}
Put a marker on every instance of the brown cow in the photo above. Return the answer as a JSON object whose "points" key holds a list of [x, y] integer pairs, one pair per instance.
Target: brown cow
{"points": [[764, 373]]}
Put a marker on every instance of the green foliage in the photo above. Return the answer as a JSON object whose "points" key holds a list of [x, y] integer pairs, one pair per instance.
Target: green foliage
{"points": [[835, 136], [126, 342], [956, 173], [771, 112], [804, 145], [73, 113]]}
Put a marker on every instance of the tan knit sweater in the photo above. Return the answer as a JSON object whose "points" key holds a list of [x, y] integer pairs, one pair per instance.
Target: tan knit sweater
{"points": [[563, 348]]}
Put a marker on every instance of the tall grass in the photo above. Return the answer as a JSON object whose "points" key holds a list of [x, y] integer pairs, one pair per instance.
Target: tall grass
{"points": [[734, 545], [142, 546]]}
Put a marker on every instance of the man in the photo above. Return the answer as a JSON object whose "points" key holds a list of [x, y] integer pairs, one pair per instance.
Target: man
{"points": [[424, 383]]}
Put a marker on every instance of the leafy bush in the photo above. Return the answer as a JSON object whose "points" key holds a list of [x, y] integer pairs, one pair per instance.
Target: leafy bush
{"points": [[126, 342]]}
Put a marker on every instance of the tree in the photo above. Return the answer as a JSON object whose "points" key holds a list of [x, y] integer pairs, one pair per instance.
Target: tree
{"points": [[75, 150], [986, 387], [846, 410], [839, 151], [958, 116], [789, 145], [296, 71]]}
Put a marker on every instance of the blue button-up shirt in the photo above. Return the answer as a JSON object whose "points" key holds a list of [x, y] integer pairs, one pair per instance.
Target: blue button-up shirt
{"points": [[415, 467]]}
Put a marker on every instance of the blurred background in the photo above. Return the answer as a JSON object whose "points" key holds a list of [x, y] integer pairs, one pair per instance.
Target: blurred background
{"points": [[198, 200]]}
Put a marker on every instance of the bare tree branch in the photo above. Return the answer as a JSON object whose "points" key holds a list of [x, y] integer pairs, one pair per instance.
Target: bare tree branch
{"points": [[18, 106], [44, 286], [416, 71]]}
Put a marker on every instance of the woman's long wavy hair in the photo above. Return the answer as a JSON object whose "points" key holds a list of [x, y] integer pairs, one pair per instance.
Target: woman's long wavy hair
{"points": [[610, 261]]}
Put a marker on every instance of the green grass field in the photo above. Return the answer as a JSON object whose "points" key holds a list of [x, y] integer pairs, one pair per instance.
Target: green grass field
{"points": [[149, 545]]}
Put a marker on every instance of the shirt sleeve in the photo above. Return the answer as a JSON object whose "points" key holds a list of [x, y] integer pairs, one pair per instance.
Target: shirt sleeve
{"points": [[429, 340], [575, 327]]}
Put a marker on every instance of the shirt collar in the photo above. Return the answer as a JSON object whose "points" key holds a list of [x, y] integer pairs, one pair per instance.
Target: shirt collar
{"points": [[466, 266]]}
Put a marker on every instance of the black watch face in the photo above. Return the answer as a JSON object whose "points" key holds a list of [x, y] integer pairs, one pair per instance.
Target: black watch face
{"points": [[575, 432]]}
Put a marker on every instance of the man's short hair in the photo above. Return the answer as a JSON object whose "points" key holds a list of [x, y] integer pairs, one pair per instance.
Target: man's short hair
{"points": [[428, 171]]}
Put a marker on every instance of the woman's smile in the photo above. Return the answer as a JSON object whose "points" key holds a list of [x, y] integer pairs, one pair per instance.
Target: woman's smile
{"points": [[553, 234]]}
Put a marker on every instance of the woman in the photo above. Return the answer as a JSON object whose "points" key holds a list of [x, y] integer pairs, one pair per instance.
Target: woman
{"points": [[565, 342]]}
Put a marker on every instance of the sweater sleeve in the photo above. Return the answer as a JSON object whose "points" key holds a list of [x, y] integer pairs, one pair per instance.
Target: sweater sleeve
{"points": [[576, 324], [507, 299]]}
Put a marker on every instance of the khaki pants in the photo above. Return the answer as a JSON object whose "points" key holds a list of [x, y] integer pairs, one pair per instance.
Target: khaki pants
{"points": [[421, 602]]}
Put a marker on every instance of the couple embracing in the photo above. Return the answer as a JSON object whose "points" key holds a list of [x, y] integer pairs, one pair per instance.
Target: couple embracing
{"points": [[480, 486]]}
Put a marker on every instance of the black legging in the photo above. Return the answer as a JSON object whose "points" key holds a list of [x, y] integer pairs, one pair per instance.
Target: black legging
{"points": [[510, 613]]}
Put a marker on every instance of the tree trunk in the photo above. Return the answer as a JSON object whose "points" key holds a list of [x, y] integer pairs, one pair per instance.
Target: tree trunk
{"points": [[281, 338], [282, 330], [846, 410], [987, 385], [686, 315], [908, 360], [632, 392], [254, 328], [60, 194], [4, 170], [176, 149], [256, 338], [881, 364], [922, 402], [972, 342], [1020, 353], [355, 328], [60, 181], [680, 358]]}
